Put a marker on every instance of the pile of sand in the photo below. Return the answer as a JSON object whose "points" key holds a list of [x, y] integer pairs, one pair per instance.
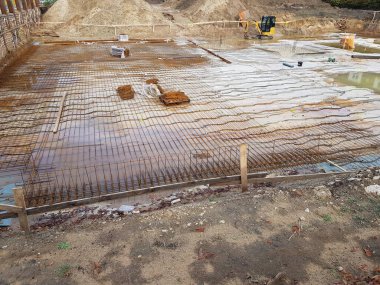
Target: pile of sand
{"points": [[212, 10], [100, 12], [203, 10], [316, 15]]}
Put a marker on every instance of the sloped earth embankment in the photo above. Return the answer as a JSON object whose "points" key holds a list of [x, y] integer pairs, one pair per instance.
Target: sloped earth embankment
{"points": [[305, 17]]}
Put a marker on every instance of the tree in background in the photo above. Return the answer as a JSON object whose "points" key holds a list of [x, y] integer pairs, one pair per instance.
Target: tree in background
{"points": [[48, 2], [356, 4]]}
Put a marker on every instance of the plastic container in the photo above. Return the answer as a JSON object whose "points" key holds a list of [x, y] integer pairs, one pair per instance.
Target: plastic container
{"points": [[123, 38], [348, 41]]}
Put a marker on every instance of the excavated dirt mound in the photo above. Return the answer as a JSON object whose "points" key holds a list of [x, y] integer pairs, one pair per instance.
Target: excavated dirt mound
{"points": [[316, 16], [100, 12]]}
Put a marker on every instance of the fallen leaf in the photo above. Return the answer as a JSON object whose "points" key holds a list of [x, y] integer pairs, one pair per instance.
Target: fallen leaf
{"points": [[97, 267], [364, 267], [295, 229], [368, 251], [204, 254], [200, 229]]}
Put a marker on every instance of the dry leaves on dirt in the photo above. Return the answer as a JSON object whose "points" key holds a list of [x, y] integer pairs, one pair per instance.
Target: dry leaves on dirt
{"points": [[296, 229], [200, 230], [97, 267], [368, 251], [202, 254]]}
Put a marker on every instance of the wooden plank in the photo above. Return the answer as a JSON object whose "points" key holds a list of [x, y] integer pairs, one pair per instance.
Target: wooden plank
{"points": [[359, 56], [336, 165], [292, 178], [210, 52], [22, 215], [8, 215], [213, 181], [253, 178], [10, 208], [244, 167], [62, 105]]}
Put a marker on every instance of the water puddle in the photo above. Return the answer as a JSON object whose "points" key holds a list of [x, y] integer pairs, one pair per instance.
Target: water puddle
{"points": [[370, 80], [358, 48]]}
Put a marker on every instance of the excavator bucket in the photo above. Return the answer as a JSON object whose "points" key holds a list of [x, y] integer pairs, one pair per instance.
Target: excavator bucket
{"points": [[244, 16]]}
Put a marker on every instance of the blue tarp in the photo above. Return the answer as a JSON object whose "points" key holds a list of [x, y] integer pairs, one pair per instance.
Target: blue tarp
{"points": [[6, 192]]}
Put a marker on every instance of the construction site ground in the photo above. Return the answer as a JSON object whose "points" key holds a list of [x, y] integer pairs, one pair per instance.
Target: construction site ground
{"points": [[298, 116], [79, 125], [312, 232]]}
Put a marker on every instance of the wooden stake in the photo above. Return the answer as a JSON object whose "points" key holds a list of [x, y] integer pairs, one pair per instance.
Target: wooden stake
{"points": [[19, 5], [24, 5], [18, 194], [3, 8], [11, 7], [243, 167]]}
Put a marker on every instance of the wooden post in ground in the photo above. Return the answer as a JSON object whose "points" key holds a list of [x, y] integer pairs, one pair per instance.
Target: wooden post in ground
{"points": [[244, 167], [3, 7], [11, 7], [20, 202], [24, 5], [29, 4], [3, 10], [19, 5]]}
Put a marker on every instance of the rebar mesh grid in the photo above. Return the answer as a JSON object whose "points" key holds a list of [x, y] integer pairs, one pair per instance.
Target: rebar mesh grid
{"points": [[106, 145], [15, 29]]}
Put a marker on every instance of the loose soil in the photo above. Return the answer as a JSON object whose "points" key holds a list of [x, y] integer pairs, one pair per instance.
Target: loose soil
{"points": [[221, 238], [313, 17]]}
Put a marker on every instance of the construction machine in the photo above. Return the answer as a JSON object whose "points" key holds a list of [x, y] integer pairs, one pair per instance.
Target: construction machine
{"points": [[266, 28]]}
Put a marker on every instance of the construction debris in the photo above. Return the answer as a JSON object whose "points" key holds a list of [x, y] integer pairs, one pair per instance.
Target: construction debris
{"points": [[373, 189], [119, 52], [152, 81], [174, 97], [123, 38], [126, 92], [288, 65], [169, 97]]}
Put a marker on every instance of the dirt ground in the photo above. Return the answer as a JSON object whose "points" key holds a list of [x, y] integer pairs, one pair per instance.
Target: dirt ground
{"points": [[314, 232]]}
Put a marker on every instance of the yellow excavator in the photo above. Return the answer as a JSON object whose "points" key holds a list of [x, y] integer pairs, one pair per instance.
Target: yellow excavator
{"points": [[266, 28]]}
